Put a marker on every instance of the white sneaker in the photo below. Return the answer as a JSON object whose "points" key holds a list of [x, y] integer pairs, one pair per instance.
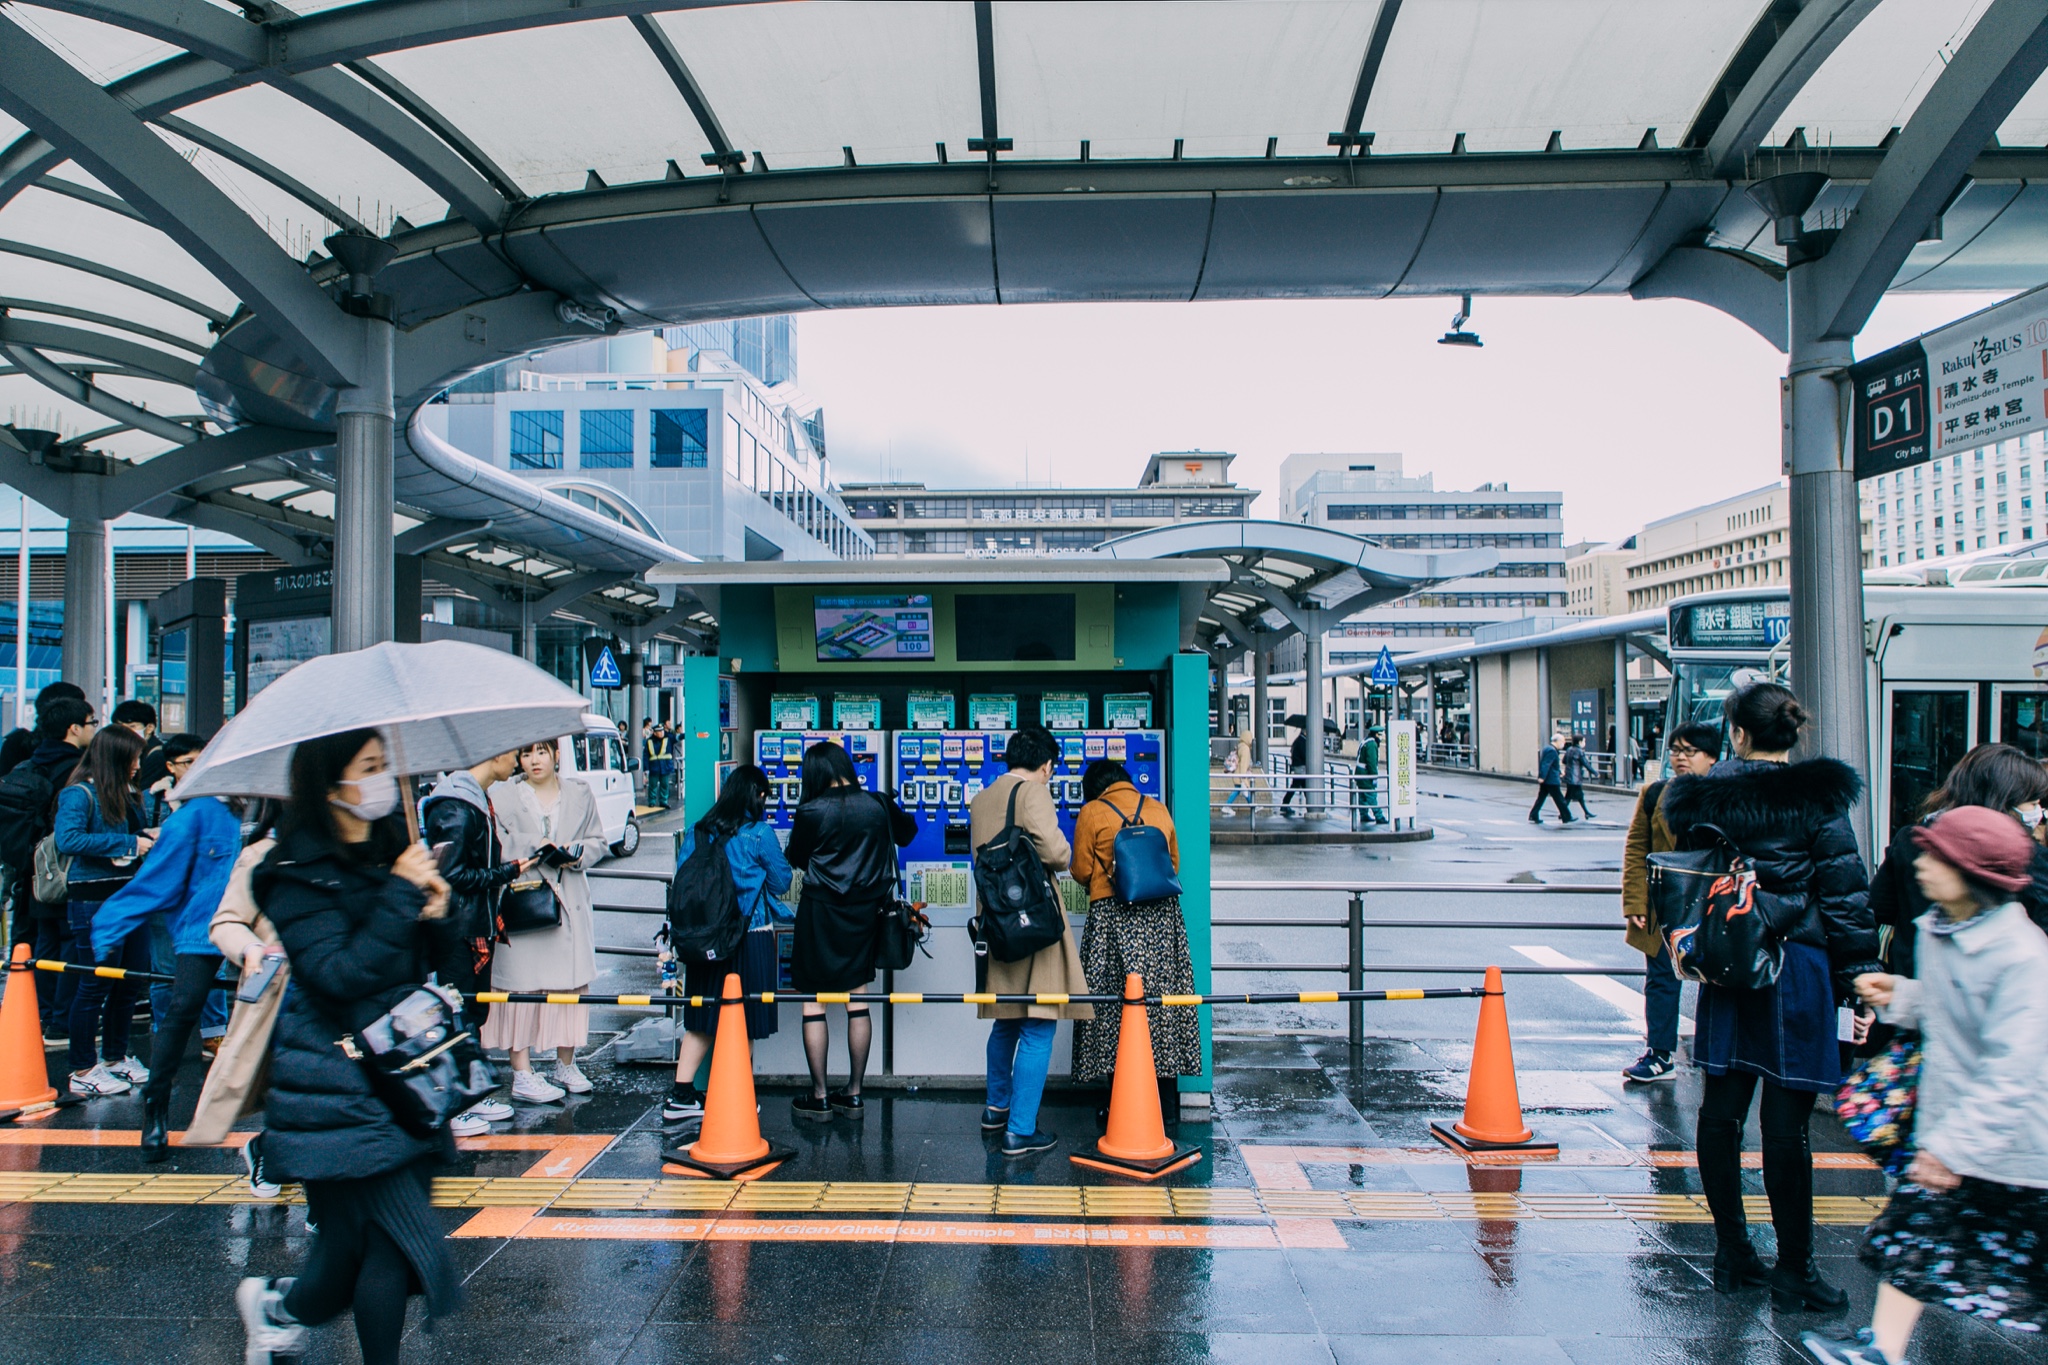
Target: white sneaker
{"points": [[98, 1081], [528, 1086], [130, 1069], [270, 1332], [490, 1111], [572, 1079], [467, 1124]]}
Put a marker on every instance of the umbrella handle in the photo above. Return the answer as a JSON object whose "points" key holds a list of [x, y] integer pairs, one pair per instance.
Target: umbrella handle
{"points": [[405, 797]]}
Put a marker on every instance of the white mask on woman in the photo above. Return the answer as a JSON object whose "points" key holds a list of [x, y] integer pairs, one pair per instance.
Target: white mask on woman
{"points": [[376, 796]]}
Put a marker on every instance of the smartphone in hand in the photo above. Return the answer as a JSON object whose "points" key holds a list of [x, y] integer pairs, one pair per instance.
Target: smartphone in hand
{"points": [[556, 856], [256, 982]]}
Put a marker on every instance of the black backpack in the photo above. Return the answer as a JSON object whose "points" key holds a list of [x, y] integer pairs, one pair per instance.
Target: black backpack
{"points": [[704, 921], [1019, 910], [25, 797]]}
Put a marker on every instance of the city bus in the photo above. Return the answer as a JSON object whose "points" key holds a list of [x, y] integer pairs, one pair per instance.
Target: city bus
{"points": [[1948, 665]]}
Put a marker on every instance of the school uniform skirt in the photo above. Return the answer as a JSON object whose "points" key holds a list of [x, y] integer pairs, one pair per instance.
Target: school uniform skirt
{"points": [[756, 964]]}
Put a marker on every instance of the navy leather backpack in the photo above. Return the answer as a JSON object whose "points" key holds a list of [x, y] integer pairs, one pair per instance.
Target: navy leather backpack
{"points": [[1142, 868]]}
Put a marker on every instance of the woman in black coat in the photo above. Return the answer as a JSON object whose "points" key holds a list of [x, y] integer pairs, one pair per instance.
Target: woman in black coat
{"points": [[1791, 821], [844, 840], [1996, 776], [348, 896]]}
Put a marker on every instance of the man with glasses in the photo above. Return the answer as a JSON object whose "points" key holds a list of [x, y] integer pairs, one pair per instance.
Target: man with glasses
{"points": [[1694, 749]]}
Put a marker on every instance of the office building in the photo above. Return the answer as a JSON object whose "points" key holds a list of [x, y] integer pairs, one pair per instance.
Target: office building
{"points": [[1738, 542], [685, 443], [1596, 576], [911, 519], [1368, 495], [1957, 504]]}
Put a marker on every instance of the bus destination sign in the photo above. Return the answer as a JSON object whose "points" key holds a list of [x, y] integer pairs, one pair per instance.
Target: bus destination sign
{"points": [[1977, 381], [1732, 625]]}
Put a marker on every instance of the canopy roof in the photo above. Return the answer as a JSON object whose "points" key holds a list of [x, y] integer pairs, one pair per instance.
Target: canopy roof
{"points": [[549, 169], [1287, 578]]}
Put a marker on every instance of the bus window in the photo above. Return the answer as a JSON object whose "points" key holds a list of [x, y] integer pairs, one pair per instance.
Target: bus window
{"points": [[2023, 721], [1930, 731]]}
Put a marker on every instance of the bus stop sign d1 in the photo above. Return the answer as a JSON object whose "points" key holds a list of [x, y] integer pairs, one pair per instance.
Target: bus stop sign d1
{"points": [[1980, 380]]}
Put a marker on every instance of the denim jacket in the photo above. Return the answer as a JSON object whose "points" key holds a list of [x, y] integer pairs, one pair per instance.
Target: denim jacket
{"points": [[760, 872], [184, 876], [84, 833]]}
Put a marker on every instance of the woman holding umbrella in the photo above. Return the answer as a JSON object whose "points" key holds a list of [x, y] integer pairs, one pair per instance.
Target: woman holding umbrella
{"points": [[348, 894]]}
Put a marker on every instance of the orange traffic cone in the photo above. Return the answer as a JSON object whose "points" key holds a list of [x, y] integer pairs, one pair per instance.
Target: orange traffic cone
{"points": [[729, 1144], [24, 1067], [1493, 1106], [1136, 1143]]}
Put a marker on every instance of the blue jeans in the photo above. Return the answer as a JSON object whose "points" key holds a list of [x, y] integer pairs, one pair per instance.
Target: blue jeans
{"points": [[163, 960], [1019, 1055], [1660, 1002]]}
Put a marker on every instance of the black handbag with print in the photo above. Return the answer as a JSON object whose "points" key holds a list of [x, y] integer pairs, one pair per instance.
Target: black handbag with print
{"points": [[422, 1059]]}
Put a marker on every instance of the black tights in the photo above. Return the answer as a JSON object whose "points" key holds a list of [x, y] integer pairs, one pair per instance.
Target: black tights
{"points": [[374, 1286], [1788, 1161], [860, 1032]]}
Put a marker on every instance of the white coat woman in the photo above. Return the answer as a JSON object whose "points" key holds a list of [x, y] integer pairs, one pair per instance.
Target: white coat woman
{"points": [[535, 809]]}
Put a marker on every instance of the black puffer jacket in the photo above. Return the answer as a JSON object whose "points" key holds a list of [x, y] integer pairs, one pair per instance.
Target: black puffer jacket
{"points": [[1791, 821], [1896, 899], [844, 841], [356, 944]]}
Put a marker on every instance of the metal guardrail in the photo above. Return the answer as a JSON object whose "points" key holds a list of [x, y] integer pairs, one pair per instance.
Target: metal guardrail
{"points": [[1354, 923], [1341, 791]]}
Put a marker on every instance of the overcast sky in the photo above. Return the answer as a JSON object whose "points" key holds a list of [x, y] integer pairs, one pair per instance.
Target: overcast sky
{"points": [[1633, 410]]}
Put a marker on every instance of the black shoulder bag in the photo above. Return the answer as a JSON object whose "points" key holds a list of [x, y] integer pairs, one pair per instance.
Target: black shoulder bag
{"points": [[422, 1059]]}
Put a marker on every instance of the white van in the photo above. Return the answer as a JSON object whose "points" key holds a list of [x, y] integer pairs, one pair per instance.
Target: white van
{"points": [[597, 757]]}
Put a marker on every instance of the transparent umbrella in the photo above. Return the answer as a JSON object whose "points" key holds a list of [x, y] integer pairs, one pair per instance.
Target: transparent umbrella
{"points": [[439, 706]]}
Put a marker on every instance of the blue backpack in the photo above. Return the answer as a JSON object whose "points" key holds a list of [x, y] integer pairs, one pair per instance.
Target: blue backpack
{"points": [[1141, 863]]}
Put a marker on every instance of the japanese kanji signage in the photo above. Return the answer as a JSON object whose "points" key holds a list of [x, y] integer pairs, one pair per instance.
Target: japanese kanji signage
{"points": [[1974, 382]]}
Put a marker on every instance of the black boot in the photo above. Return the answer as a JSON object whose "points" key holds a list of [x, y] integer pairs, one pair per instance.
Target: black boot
{"points": [[1798, 1286], [1737, 1267], [156, 1129]]}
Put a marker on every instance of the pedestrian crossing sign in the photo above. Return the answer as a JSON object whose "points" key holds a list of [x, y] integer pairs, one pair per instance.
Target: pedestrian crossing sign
{"points": [[604, 670], [1384, 674]]}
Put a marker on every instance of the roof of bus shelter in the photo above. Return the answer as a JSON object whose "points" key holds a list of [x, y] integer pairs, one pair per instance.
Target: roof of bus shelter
{"points": [[1643, 628], [1281, 571], [547, 170]]}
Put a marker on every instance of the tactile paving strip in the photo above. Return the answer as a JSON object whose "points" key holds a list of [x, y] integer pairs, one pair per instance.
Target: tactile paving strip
{"points": [[1015, 1201]]}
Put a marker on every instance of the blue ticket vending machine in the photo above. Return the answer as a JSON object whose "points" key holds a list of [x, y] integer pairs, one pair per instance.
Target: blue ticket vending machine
{"points": [[780, 754], [938, 773]]}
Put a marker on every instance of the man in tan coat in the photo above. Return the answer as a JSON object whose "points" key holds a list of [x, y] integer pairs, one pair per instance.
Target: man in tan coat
{"points": [[1020, 1043], [1693, 751]]}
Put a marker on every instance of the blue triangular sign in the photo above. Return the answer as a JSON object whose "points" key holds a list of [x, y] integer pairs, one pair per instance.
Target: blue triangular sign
{"points": [[605, 672], [1384, 674]]}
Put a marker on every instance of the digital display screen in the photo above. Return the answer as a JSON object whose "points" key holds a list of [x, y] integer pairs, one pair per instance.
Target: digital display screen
{"points": [[859, 629], [1014, 627], [1757, 624], [277, 647]]}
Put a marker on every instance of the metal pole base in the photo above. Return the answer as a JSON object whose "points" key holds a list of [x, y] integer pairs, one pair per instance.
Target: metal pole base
{"points": [[1451, 1137], [1178, 1160]]}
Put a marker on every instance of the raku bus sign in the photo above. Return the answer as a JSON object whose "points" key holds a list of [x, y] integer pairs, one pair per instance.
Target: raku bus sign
{"points": [[1974, 382]]}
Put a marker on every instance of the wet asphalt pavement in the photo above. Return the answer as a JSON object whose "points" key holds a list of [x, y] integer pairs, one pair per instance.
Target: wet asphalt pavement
{"points": [[1322, 1224]]}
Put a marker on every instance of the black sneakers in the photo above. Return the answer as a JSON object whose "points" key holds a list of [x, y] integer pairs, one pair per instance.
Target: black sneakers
{"points": [[682, 1105], [1651, 1066]]}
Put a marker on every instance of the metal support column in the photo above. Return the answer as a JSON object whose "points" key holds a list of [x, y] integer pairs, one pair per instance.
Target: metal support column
{"points": [[21, 615], [634, 666], [363, 496], [1355, 968], [85, 604], [1624, 770], [1262, 666], [1545, 717], [1312, 692], [1826, 547]]}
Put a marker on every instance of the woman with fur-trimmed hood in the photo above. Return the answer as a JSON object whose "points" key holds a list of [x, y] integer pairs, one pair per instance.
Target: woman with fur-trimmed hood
{"points": [[1791, 821]]}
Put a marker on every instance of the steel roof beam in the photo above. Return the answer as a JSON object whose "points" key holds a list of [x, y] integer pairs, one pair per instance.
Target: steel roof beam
{"points": [[57, 379], [262, 170], [86, 194], [252, 50], [2004, 54], [63, 310], [436, 534], [121, 277], [1369, 73], [582, 585], [265, 535], [99, 346], [97, 131], [679, 74], [1810, 40], [174, 469], [440, 126]]}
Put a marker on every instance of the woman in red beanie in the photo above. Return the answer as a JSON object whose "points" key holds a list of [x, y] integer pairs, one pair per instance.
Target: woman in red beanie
{"points": [[1969, 1227]]}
